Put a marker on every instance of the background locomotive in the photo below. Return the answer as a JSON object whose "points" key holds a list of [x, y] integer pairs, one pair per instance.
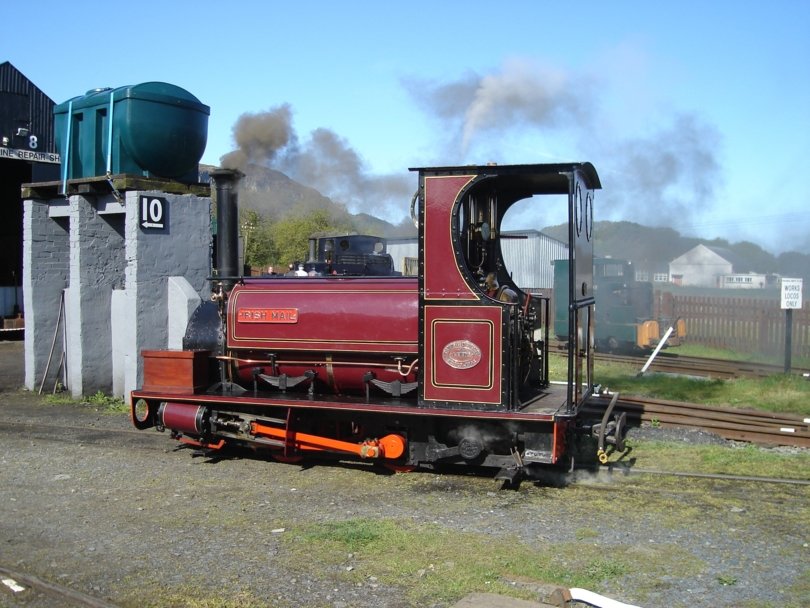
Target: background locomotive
{"points": [[348, 254], [625, 321], [447, 367]]}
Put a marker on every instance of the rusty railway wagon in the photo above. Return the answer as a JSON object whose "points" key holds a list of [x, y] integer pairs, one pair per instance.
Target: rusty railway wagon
{"points": [[450, 367]]}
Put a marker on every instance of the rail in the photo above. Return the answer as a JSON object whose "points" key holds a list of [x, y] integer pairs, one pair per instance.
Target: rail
{"points": [[700, 366], [735, 424], [696, 366]]}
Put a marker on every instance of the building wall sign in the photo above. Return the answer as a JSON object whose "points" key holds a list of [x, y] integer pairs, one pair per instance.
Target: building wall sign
{"points": [[30, 155]]}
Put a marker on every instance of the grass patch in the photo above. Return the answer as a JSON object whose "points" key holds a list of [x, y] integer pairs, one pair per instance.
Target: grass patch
{"points": [[801, 588], [748, 460], [778, 393], [352, 535], [433, 564], [707, 352], [781, 393], [191, 599], [99, 400], [155, 594], [586, 533]]}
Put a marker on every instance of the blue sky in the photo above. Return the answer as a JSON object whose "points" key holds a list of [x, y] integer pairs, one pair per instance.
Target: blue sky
{"points": [[695, 114]]}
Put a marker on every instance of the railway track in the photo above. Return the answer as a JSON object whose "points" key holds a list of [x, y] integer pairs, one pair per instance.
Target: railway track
{"points": [[700, 366], [735, 424], [31, 591], [695, 366]]}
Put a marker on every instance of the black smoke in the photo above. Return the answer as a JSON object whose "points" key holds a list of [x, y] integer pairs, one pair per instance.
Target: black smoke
{"points": [[665, 178], [324, 161], [489, 106], [259, 138], [661, 178]]}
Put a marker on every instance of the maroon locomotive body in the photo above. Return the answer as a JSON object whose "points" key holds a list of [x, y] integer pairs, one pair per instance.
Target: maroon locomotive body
{"points": [[448, 367], [314, 324]]}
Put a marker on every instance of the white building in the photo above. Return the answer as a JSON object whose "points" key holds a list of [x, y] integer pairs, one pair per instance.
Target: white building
{"points": [[701, 266], [750, 280]]}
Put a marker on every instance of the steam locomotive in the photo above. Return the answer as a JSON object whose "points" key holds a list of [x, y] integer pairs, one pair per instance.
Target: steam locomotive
{"points": [[450, 367]]}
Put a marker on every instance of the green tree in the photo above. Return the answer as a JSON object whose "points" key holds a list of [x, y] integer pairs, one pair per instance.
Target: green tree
{"points": [[753, 258], [257, 238], [794, 265]]}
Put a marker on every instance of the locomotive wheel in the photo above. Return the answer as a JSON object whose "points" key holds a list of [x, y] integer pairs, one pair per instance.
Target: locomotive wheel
{"points": [[619, 433], [143, 414]]}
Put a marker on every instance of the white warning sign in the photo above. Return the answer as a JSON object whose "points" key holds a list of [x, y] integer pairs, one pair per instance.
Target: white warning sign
{"points": [[791, 293]]}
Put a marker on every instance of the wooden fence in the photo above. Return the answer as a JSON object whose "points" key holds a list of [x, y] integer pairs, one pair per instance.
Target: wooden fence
{"points": [[741, 324]]}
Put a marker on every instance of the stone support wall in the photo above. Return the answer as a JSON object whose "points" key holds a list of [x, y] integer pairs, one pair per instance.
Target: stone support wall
{"points": [[97, 266], [46, 230], [116, 275]]}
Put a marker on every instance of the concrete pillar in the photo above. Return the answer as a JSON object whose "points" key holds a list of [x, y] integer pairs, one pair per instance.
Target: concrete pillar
{"points": [[97, 264], [182, 248], [46, 227]]}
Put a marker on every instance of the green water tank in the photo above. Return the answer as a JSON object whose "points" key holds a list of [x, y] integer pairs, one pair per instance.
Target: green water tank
{"points": [[154, 129]]}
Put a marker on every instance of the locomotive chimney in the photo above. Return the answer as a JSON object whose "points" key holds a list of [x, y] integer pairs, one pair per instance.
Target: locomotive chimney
{"points": [[227, 262]]}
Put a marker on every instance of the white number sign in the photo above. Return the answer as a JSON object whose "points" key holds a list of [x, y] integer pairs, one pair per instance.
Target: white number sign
{"points": [[153, 212]]}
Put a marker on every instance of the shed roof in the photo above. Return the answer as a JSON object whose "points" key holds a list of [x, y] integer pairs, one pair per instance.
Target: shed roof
{"points": [[21, 101]]}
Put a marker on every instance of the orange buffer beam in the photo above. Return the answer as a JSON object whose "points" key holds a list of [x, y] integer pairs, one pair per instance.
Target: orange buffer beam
{"points": [[390, 446]]}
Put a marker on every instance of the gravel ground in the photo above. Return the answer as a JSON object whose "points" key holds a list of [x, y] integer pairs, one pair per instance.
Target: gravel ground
{"points": [[131, 518]]}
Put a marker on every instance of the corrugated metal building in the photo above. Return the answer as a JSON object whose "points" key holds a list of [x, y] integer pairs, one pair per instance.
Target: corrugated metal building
{"points": [[405, 252], [27, 154], [528, 255], [26, 117]]}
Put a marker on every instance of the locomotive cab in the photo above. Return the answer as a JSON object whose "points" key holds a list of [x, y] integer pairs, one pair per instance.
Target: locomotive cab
{"points": [[484, 341]]}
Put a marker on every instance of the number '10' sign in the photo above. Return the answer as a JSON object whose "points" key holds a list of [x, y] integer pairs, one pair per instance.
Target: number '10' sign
{"points": [[153, 213]]}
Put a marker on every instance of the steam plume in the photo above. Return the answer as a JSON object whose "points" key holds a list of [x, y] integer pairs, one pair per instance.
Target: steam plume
{"points": [[259, 137], [519, 95], [671, 172], [325, 162], [666, 177]]}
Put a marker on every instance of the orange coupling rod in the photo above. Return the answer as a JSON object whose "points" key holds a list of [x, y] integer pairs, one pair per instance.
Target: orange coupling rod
{"points": [[390, 446]]}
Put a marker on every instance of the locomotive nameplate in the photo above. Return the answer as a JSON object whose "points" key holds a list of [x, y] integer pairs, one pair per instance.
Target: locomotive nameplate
{"points": [[461, 354], [267, 315]]}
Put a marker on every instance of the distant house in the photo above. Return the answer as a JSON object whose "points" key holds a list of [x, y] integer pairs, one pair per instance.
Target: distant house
{"points": [[704, 266], [701, 266]]}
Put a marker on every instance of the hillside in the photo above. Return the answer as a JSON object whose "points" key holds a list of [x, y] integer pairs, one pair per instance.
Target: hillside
{"points": [[275, 196], [651, 249]]}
